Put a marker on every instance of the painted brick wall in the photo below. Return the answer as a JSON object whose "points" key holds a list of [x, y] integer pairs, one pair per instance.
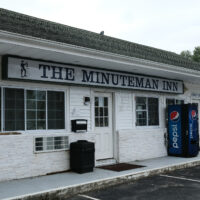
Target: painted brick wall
{"points": [[17, 159], [140, 144]]}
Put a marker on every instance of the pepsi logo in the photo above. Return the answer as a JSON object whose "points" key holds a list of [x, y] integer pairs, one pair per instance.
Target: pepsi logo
{"points": [[193, 114], [174, 116]]}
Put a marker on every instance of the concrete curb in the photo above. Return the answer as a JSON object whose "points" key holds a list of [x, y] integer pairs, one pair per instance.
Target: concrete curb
{"points": [[64, 192]]}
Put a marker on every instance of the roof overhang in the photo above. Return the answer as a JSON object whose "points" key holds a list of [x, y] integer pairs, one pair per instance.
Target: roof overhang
{"points": [[25, 46]]}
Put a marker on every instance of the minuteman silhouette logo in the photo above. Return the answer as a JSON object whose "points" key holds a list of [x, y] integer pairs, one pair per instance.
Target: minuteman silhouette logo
{"points": [[174, 116], [193, 114]]}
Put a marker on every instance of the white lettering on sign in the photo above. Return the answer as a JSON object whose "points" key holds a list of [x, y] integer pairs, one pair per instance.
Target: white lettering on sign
{"points": [[29, 69], [175, 136], [191, 131]]}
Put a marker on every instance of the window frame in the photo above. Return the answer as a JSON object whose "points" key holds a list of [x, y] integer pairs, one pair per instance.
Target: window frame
{"points": [[103, 116], [147, 111], [46, 89], [172, 98], [4, 109], [46, 103], [44, 143]]}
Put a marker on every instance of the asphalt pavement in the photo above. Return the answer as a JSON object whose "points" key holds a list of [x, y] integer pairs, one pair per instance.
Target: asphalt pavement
{"points": [[181, 184]]}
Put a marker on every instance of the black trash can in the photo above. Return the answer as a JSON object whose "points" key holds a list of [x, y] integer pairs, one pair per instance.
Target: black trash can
{"points": [[82, 156]]}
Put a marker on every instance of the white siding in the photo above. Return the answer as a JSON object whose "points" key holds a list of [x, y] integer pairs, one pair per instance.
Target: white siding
{"points": [[77, 108], [17, 159], [124, 110], [0, 67]]}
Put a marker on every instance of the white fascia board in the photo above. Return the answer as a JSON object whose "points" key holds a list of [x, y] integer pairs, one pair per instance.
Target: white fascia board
{"points": [[53, 46]]}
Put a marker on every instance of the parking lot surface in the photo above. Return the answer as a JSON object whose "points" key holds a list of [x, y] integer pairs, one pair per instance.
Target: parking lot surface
{"points": [[180, 184]]}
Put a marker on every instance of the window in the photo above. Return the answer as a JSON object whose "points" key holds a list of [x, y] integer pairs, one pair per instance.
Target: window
{"points": [[147, 113], [14, 109], [51, 143], [56, 113], [33, 109], [36, 109], [174, 102], [101, 111]]}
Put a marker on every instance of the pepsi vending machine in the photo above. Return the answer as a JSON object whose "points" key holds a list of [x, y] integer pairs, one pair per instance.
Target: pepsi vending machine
{"points": [[183, 133]]}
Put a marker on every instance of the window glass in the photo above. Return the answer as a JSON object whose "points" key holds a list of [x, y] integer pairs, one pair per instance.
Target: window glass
{"points": [[14, 109], [56, 110], [58, 143], [36, 109], [101, 112], [147, 113], [39, 144], [141, 117], [179, 102], [153, 111], [141, 103], [170, 102], [51, 143], [173, 102], [141, 111]]}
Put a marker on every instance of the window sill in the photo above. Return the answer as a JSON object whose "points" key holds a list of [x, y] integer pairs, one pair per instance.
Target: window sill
{"points": [[148, 127], [10, 133], [51, 151]]}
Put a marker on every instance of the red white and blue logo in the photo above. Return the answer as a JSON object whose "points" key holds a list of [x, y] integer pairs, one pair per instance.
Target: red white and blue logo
{"points": [[193, 114], [174, 116]]}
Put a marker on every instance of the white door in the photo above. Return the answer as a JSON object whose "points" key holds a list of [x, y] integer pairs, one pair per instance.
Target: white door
{"points": [[197, 102], [103, 125]]}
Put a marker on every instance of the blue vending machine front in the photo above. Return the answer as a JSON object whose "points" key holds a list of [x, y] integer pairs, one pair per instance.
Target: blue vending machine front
{"points": [[174, 130], [193, 132]]}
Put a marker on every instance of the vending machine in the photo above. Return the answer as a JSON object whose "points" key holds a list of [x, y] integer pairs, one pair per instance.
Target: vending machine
{"points": [[183, 133]]}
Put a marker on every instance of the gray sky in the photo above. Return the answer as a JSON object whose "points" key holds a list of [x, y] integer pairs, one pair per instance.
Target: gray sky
{"points": [[172, 25]]}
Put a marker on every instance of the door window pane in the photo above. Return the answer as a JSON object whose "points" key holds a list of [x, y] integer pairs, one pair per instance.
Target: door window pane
{"points": [[101, 112], [96, 101], [14, 109], [105, 101], [105, 111]]}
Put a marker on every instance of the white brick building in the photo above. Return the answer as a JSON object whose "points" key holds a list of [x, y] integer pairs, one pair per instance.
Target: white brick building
{"points": [[48, 72]]}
